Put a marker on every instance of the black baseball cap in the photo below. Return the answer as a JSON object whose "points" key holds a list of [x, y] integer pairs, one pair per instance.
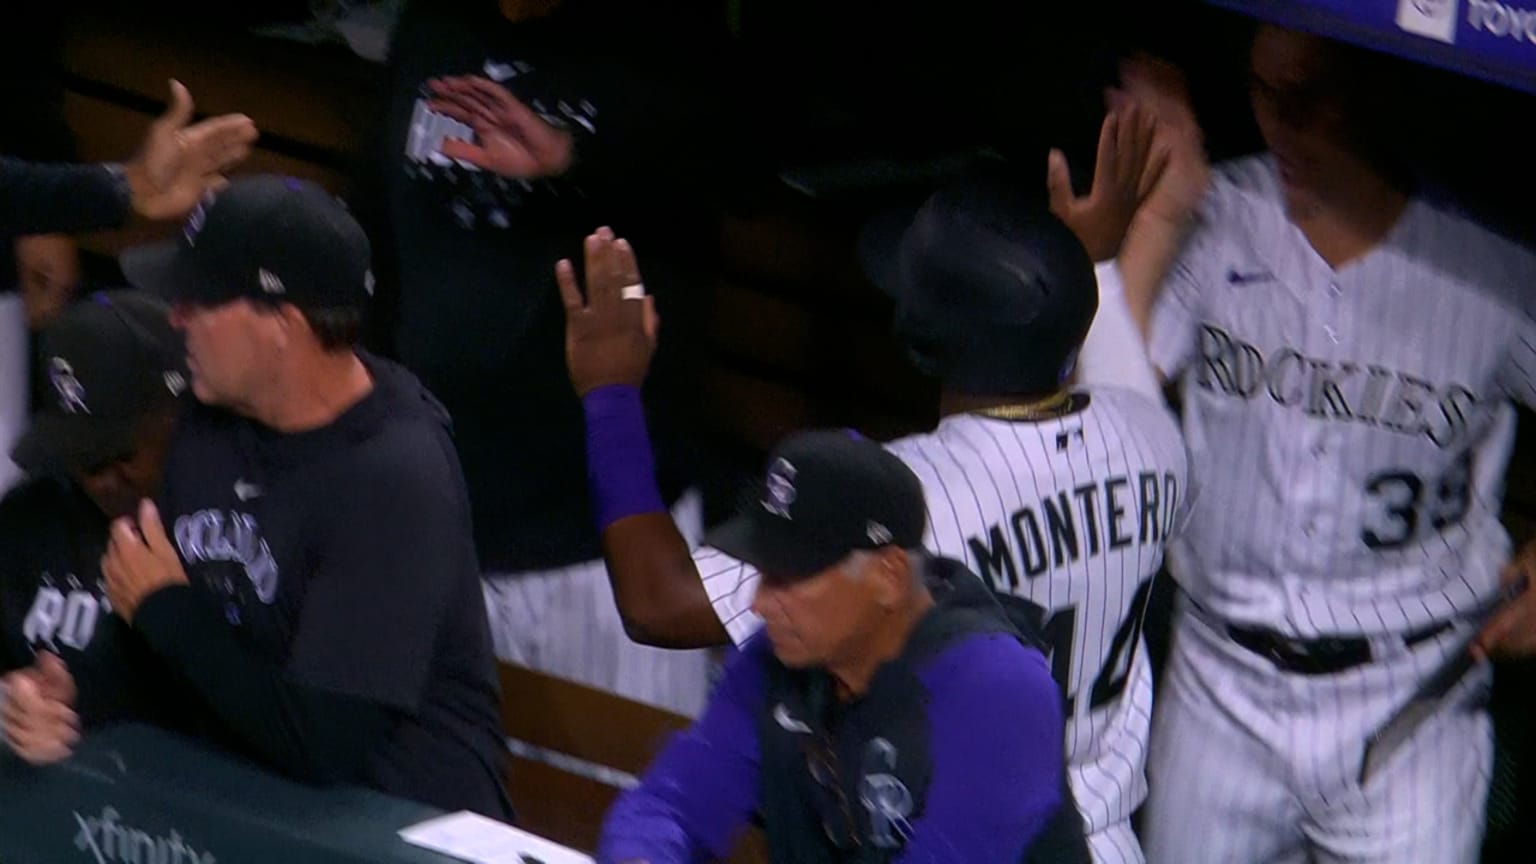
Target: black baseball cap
{"points": [[264, 237], [109, 360], [825, 494], [993, 293]]}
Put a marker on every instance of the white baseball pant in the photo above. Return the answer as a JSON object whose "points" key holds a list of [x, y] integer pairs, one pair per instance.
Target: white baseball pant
{"points": [[1253, 765]]}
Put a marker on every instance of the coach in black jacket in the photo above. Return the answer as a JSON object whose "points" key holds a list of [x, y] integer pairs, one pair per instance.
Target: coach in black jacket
{"points": [[175, 165]]}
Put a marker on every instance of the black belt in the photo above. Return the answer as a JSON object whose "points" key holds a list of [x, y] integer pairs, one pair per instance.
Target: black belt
{"points": [[1324, 656]]}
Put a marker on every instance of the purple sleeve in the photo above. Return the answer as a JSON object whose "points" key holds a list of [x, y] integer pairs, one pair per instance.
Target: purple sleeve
{"points": [[995, 723], [621, 469], [700, 792]]}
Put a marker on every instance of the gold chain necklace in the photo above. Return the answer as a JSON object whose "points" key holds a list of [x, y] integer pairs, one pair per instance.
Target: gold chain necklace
{"points": [[1044, 409]]}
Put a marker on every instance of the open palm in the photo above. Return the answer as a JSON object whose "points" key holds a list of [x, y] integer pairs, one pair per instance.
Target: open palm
{"points": [[511, 139], [180, 161], [1126, 169]]}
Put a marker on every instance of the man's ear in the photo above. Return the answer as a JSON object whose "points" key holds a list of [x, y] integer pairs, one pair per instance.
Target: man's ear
{"points": [[292, 317], [892, 569], [296, 329]]}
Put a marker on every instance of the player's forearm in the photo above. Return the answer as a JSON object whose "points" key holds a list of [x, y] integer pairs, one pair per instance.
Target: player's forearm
{"points": [[641, 827], [1114, 352], [698, 796], [308, 733], [657, 588], [58, 198], [1146, 258], [655, 584]]}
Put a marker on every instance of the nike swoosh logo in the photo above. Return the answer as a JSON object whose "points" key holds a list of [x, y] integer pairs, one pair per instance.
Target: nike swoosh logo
{"points": [[788, 723], [1254, 276]]}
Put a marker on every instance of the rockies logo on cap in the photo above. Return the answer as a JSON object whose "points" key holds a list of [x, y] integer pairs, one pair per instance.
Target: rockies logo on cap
{"points": [[197, 219], [69, 389], [269, 282], [780, 487]]}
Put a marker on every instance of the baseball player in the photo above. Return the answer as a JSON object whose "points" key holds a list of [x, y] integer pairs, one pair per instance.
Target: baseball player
{"points": [[1347, 355], [1064, 499], [115, 377], [312, 584]]}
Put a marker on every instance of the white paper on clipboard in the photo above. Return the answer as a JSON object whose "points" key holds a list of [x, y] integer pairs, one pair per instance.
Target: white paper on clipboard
{"points": [[472, 837]]}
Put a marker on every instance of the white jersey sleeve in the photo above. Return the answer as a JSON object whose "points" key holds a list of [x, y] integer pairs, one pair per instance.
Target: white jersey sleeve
{"points": [[731, 584], [1114, 354]]}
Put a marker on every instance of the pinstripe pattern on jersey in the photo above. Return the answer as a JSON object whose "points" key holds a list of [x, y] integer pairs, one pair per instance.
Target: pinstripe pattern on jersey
{"points": [[1348, 430], [1350, 427]]}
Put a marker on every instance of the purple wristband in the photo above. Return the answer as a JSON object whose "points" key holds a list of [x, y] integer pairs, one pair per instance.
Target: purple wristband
{"points": [[620, 468]]}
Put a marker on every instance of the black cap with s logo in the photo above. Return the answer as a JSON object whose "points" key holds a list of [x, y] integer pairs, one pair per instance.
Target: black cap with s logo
{"points": [[265, 237], [825, 494], [109, 361]]}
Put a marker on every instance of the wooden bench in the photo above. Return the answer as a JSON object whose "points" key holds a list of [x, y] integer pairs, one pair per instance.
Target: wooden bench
{"points": [[574, 748]]}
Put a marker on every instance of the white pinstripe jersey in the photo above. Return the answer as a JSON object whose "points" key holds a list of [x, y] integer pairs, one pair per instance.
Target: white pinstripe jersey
{"points": [[1348, 429], [1071, 514]]}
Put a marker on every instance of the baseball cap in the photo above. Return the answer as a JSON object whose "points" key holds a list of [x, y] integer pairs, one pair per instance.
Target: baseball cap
{"points": [[825, 494], [264, 237], [109, 360], [993, 293]]}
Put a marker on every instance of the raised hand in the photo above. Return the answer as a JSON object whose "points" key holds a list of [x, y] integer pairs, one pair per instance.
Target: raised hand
{"points": [[179, 163], [610, 333], [1126, 168], [1159, 87], [514, 141]]}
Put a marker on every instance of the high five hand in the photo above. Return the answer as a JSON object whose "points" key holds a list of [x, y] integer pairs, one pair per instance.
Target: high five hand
{"points": [[610, 334]]}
